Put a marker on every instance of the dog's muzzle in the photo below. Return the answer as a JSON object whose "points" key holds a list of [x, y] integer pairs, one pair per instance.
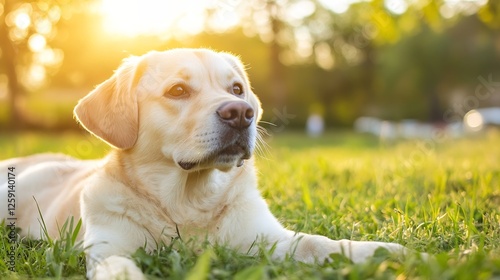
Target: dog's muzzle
{"points": [[234, 143], [237, 114]]}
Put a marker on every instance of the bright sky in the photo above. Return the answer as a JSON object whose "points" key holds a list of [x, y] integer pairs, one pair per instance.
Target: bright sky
{"points": [[338, 6], [133, 17]]}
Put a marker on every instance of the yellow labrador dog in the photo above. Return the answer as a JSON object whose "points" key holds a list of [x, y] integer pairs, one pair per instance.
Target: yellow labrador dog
{"points": [[183, 127]]}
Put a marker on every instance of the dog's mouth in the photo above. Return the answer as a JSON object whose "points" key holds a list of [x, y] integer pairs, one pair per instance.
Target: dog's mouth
{"points": [[186, 165], [226, 155]]}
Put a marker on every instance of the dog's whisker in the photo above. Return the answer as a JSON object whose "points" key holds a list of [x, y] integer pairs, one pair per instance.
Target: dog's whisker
{"points": [[269, 123], [262, 147]]}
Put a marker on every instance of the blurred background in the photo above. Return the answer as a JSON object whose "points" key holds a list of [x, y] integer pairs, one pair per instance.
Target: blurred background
{"points": [[396, 68]]}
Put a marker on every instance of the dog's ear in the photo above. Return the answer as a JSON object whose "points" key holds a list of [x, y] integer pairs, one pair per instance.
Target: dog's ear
{"points": [[110, 111], [240, 68]]}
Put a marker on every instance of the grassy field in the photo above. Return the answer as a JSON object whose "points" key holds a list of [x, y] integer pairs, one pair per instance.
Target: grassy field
{"points": [[442, 198]]}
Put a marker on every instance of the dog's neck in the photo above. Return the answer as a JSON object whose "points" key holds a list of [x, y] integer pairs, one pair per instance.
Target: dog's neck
{"points": [[161, 180]]}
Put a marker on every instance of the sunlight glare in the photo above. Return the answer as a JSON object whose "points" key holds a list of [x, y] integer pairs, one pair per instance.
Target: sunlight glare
{"points": [[192, 23], [22, 20], [450, 8], [297, 11], [36, 76], [397, 7], [223, 20], [43, 26], [153, 17], [474, 120], [49, 57], [37, 42], [338, 6]]}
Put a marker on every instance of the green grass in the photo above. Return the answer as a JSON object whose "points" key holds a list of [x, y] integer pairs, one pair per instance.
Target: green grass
{"points": [[442, 198]]}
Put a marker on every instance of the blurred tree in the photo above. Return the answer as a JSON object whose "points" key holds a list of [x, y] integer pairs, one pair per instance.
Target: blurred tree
{"points": [[26, 29], [419, 76], [363, 30], [280, 24], [277, 79], [341, 56]]}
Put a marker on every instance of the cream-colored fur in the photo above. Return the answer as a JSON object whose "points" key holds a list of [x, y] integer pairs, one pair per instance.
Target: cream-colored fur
{"points": [[168, 172]]}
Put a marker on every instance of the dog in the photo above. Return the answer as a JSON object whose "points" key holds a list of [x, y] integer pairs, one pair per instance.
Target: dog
{"points": [[182, 125]]}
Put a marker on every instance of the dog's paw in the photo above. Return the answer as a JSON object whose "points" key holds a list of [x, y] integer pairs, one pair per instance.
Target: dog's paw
{"points": [[116, 268]]}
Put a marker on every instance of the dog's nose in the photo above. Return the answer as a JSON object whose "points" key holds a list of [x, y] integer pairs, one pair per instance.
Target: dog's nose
{"points": [[237, 114]]}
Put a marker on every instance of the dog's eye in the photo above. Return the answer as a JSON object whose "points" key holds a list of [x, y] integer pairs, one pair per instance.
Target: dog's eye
{"points": [[237, 89], [177, 90]]}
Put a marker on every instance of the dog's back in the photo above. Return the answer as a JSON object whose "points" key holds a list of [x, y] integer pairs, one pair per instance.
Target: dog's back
{"points": [[53, 179]]}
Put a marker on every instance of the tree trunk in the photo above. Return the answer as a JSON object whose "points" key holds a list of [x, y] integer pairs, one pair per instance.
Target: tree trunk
{"points": [[435, 113], [369, 74], [9, 60], [278, 86]]}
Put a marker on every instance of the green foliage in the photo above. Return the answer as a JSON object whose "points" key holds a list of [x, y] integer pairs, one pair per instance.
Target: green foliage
{"points": [[79, 145], [437, 197], [64, 255], [54, 257], [413, 65]]}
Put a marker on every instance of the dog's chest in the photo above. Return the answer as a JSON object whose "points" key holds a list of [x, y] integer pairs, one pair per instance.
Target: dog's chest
{"points": [[192, 213]]}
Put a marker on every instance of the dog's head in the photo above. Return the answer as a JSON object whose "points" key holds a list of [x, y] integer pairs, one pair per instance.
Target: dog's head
{"points": [[194, 106]]}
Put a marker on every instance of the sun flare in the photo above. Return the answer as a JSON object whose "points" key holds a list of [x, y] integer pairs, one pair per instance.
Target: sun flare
{"points": [[153, 17]]}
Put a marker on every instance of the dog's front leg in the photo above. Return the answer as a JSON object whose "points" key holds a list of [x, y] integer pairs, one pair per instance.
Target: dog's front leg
{"points": [[316, 248], [108, 251], [257, 221]]}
